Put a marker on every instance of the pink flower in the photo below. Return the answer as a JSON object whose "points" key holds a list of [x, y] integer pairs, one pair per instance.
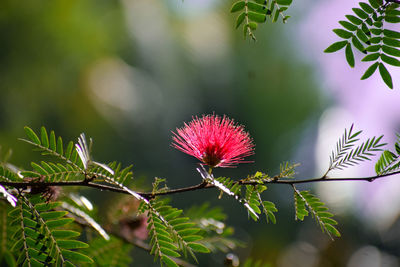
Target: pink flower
{"points": [[215, 141]]}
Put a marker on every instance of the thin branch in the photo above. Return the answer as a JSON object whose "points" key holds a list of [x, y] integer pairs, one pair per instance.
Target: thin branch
{"points": [[149, 195], [393, 1]]}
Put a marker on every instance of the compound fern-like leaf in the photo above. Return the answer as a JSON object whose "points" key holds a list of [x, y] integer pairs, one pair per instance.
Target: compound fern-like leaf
{"points": [[170, 233], [367, 30], [389, 161], [346, 154], [306, 202], [52, 146], [39, 241], [253, 12], [253, 197]]}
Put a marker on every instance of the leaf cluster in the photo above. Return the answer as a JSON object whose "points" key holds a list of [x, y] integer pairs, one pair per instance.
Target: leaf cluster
{"points": [[389, 161], [367, 30], [306, 203], [170, 233], [253, 198], [40, 237], [257, 11], [347, 154]]}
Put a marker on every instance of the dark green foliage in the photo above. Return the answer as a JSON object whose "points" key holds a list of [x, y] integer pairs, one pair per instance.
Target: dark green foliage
{"points": [[366, 31], [52, 147], [253, 197], [306, 203], [287, 170], [78, 164], [119, 175], [68, 168], [38, 242], [7, 175], [346, 154], [389, 161], [170, 233], [257, 11]]}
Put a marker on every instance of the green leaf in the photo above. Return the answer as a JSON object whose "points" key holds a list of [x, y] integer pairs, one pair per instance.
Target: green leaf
{"points": [[52, 141], [284, 2], [59, 222], [258, 8], [378, 24], [239, 5], [374, 3], [53, 214], [168, 261], [360, 13], [358, 45], [342, 33], [376, 31], [257, 17], [253, 25], [392, 19], [332, 230], [169, 252], [336, 46], [367, 8], [391, 42], [375, 40], [68, 152], [276, 16], [390, 60], [371, 57], [391, 11], [44, 137], [197, 247], [192, 238], [373, 48], [31, 134], [59, 147], [385, 75], [189, 231], [391, 34], [71, 244], [370, 71], [391, 51], [47, 206], [349, 55], [76, 256], [39, 168], [64, 233], [354, 19], [35, 263], [349, 26], [362, 36]]}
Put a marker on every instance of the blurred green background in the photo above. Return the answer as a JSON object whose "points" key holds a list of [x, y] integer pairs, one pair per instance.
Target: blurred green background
{"points": [[127, 73]]}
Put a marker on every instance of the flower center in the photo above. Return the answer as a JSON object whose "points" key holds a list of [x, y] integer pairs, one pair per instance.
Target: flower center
{"points": [[211, 159]]}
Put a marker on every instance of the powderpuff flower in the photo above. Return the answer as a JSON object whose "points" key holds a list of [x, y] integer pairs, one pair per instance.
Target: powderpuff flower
{"points": [[215, 141]]}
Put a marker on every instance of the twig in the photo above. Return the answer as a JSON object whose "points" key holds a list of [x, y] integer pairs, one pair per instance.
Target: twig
{"points": [[201, 186]]}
